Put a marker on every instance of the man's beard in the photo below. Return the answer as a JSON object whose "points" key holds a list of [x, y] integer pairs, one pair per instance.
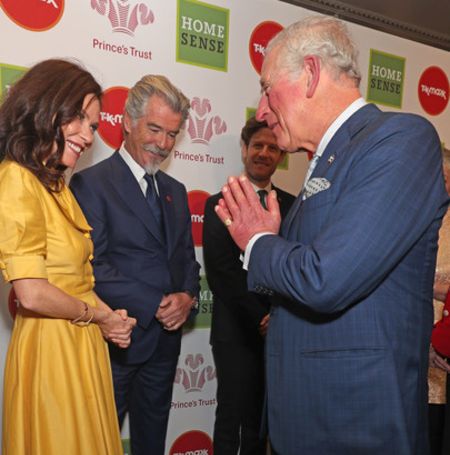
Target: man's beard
{"points": [[153, 166]]}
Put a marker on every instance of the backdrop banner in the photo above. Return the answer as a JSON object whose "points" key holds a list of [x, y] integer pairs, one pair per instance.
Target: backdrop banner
{"points": [[213, 51]]}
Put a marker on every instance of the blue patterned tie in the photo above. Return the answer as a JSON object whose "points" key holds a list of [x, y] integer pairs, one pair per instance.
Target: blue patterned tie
{"points": [[153, 201], [312, 166]]}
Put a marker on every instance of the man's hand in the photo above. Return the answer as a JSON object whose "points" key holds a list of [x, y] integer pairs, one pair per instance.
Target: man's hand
{"points": [[264, 325], [174, 309], [241, 211]]}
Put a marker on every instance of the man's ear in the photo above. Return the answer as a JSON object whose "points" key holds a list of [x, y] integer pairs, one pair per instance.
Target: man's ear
{"points": [[126, 122], [244, 151], [311, 66]]}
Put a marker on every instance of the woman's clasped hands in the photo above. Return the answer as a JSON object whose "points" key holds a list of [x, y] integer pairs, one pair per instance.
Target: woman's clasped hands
{"points": [[116, 327]]}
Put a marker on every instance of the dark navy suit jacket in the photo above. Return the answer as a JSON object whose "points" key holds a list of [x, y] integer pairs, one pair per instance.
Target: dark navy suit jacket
{"points": [[133, 266], [347, 346], [236, 312]]}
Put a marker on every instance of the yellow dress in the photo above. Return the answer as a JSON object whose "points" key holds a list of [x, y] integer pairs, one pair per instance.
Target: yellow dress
{"points": [[58, 396]]}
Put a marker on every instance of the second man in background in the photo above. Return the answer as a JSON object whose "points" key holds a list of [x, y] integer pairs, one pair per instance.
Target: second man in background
{"points": [[240, 318]]}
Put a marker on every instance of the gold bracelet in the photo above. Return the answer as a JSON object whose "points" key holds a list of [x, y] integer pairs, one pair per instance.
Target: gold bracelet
{"points": [[86, 323], [82, 315]]}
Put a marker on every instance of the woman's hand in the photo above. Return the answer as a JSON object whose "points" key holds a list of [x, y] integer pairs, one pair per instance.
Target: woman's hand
{"points": [[116, 327]]}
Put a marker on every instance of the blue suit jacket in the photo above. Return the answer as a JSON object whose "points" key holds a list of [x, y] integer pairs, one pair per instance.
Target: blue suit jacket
{"points": [[347, 348], [133, 266]]}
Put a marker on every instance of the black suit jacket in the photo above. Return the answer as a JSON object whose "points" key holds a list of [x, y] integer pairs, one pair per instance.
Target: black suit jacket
{"points": [[236, 312]]}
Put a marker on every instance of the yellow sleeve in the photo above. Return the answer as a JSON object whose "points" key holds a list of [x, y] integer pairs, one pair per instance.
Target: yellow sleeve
{"points": [[22, 224]]}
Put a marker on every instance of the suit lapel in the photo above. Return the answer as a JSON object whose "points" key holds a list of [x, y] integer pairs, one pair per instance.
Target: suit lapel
{"points": [[281, 202], [336, 147], [168, 209], [130, 192]]}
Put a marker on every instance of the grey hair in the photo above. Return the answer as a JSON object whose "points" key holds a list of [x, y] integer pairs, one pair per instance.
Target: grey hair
{"points": [[325, 37], [158, 85]]}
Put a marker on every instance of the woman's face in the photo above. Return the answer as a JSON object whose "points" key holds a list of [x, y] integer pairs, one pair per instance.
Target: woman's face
{"points": [[79, 133]]}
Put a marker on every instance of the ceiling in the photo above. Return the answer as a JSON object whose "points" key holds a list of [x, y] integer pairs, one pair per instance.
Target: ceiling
{"points": [[427, 21]]}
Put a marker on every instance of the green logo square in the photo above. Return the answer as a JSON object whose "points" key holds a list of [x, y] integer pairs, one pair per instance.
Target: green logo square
{"points": [[386, 79], [8, 75], [203, 317], [202, 35], [126, 446]]}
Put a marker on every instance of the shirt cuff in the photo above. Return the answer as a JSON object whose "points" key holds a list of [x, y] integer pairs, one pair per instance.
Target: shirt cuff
{"points": [[248, 248], [17, 267]]}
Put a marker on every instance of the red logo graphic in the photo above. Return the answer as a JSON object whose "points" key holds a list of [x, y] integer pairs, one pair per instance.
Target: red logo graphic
{"points": [[202, 125], [38, 15], [433, 90], [192, 443], [110, 127], [123, 17], [12, 303], [259, 39], [195, 375], [196, 202]]}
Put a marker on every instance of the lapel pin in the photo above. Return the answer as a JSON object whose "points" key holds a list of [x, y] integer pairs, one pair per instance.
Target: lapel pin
{"points": [[330, 159], [168, 198]]}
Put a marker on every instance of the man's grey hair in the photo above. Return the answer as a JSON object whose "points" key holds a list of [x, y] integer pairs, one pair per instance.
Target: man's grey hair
{"points": [[158, 85], [325, 37]]}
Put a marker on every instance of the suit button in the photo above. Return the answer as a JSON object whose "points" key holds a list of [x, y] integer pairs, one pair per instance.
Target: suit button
{"points": [[446, 313]]}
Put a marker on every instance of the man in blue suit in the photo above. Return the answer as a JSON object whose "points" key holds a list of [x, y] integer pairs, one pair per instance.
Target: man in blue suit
{"points": [[353, 262], [144, 259]]}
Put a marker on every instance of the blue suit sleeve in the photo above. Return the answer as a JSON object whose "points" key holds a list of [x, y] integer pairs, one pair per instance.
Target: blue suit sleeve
{"points": [[390, 195]]}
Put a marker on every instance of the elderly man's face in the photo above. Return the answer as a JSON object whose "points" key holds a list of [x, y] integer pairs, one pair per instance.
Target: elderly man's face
{"points": [[151, 138], [281, 105], [261, 156]]}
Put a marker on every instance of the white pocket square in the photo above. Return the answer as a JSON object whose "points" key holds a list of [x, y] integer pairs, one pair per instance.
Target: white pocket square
{"points": [[314, 186]]}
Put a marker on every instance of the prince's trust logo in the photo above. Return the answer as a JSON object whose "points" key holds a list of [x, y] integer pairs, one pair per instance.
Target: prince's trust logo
{"points": [[201, 124], [124, 17], [194, 375]]}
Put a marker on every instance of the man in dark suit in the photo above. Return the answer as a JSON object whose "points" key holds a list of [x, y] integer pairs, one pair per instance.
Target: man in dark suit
{"points": [[353, 263], [144, 258], [240, 318]]}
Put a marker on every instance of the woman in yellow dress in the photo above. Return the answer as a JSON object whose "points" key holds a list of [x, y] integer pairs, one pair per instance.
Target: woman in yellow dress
{"points": [[58, 396]]}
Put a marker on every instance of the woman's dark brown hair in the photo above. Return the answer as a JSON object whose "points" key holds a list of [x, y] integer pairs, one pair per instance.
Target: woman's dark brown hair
{"points": [[48, 96]]}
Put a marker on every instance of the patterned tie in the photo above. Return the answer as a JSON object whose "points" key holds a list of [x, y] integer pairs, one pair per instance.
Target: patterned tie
{"points": [[312, 166], [262, 197], [153, 201]]}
